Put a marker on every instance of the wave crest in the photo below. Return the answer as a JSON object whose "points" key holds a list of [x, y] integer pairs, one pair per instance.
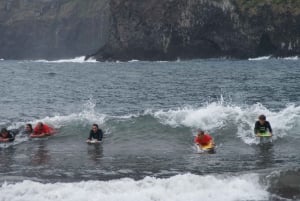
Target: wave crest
{"points": [[80, 59], [181, 187], [217, 116]]}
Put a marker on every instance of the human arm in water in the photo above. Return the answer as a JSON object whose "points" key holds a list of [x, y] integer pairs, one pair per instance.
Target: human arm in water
{"points": [[100, 135], [47, 130], [4, 139], [269, 128], [203, 141], [90, 136], [10, 138], [95, 137], [256, 128], [42, 132], [262, 128]]}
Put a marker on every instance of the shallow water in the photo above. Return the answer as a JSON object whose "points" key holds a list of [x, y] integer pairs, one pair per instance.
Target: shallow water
{"points": [[150, 112]]}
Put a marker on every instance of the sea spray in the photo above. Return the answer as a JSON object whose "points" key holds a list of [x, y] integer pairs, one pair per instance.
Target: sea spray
{"points": [[220, 115]]}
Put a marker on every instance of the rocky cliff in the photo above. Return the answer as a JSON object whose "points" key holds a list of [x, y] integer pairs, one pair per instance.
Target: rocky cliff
{"points": [[51, 29], [148, 30], [167, 29]]}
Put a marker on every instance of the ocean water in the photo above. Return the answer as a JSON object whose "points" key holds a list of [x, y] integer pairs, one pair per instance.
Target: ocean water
{"points": [[150, 112]]}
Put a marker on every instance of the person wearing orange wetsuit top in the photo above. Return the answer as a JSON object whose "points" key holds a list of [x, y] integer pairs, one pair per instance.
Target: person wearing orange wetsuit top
{"points": [[42, 130], [203, 139]]}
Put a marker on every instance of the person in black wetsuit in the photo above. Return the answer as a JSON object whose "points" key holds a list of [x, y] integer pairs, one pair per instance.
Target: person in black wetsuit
{"points": [[6, 136], [262, 126], [95, 134]]}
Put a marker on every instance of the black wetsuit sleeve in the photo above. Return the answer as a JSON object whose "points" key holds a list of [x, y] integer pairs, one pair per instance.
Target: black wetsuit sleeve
{"points": [[11, 137], [256, 127], [14, 131], [91, 135], [100, 135], [269, 127]]}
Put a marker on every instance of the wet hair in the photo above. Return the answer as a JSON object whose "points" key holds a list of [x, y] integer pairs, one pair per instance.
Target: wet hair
{"points": [[30, 126], [39, 126], [4, 130], [262, 117], [200, 132], [96, 125]]}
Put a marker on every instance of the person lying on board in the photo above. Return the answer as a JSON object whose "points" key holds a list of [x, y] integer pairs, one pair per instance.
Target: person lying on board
{"points": [[6, 136], [28, 130], [42, 130], [96, 134], [203, 139], [262, 126]]}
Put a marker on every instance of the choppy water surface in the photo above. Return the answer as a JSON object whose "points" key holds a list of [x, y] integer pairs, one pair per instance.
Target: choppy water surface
{"points": [[150, 112]]}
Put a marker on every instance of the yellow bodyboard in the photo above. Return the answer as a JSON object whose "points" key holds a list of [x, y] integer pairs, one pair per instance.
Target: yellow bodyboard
{"points": [[264, 135], [208, 146]]}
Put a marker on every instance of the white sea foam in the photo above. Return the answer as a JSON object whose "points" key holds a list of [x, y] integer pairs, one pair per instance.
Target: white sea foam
{"points": [[74, 60], [208, 117], [291, 58], [259, 58], [269, 57], [177, 188], [219, 115], [87, 116], [133, 60]]}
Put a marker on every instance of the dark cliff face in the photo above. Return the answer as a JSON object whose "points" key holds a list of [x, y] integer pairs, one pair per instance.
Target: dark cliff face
{"points": [[274, 25], [168, 29], [148, 30], [31, 29]]}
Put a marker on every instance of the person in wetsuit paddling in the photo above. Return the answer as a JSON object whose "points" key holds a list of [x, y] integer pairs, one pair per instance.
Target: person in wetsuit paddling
{"points": [[6, 136], [42, 130], [262, 126], [96, 134], [203, 139]]}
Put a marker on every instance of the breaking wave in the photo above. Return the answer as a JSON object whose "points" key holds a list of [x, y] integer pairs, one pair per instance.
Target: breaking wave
{"points": [[259, 58], [218, 118], [271, 57], [180, 187], [291, 58], [80, 59]]}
